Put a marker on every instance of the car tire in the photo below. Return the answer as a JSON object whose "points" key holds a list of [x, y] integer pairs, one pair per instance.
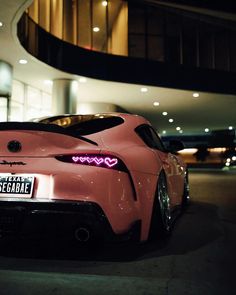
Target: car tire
{"points": [[161, 214]]}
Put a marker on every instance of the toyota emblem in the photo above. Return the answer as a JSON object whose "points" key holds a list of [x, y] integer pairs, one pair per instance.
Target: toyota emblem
{"points": [[14, 146]]}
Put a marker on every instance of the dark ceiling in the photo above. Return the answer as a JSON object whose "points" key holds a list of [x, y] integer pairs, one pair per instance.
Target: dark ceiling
{"points": [[226, 5]]}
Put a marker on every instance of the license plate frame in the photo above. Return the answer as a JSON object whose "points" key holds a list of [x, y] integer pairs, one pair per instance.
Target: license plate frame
{"points": [[16, 186]]}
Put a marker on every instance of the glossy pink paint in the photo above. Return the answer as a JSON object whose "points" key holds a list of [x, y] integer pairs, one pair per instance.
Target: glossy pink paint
{"points": [[110, 189]]}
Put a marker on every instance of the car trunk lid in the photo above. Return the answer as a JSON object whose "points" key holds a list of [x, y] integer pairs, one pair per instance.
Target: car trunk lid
{"points": [[40, 140]]}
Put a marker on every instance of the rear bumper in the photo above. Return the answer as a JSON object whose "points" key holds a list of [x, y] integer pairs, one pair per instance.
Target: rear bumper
{"points": [[60, 219]]}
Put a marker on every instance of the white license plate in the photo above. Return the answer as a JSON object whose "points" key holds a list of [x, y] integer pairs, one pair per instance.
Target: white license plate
{"points": [[16, 186]]}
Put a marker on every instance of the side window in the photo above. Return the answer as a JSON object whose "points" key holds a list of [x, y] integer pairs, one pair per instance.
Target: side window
{"points": [[145, 134], [157, 141], [150, 137]]}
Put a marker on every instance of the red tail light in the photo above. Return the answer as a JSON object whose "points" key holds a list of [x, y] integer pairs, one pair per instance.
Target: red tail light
{"points": [[98, 160]]}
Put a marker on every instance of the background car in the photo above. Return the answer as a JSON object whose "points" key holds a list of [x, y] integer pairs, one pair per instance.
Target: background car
{"points": [[101, 176], [230, 162]]}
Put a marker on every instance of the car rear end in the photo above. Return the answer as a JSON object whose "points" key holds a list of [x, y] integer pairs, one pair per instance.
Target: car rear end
{"points": [[58, 183]]}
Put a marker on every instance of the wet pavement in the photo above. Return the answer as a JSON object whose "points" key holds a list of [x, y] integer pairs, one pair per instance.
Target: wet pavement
{"points": [[198, 258]]}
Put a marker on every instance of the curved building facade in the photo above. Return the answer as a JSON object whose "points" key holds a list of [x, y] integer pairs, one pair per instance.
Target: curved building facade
{"points": [[164, 52], [133, 41]]}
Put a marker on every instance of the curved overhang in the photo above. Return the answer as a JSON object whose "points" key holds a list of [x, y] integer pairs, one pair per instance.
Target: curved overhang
{"points": [[211, 109], [79, 61]]}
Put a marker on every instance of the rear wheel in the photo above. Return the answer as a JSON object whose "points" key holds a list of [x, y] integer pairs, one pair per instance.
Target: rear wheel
{"points": [[161, 214]]}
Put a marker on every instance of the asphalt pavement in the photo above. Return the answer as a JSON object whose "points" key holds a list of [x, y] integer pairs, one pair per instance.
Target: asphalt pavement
{"points": [[197, 259]]}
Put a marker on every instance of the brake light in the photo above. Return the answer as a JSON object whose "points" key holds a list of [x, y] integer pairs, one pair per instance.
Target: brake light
{"points": [[98, 160], [108, 161], [105, 161]]}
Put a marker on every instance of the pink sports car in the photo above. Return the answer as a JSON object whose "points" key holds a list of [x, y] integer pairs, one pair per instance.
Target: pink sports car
{"points": [[102, 176]]}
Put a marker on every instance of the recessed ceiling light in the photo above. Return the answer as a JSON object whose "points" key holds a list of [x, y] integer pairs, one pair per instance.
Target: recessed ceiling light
{"points": [[82, 80], [195, 94], [231, 127], [23, 61], [1, 24], [164, 132], [96, 29], [156, 103], [144, 89], [207, 130], [48, 82], [178, 128], [171, 120], [164, 113], [104, 3]]}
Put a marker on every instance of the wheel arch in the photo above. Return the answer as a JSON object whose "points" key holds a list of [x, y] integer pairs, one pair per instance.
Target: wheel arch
{"points": [[146, 206], [154, 221]]}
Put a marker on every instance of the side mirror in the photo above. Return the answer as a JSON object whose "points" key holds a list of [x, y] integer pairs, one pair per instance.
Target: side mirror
{"points": [[175, 146]]}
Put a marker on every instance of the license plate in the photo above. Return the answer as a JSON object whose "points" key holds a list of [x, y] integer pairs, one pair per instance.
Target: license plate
{"points": [[20, 186]]}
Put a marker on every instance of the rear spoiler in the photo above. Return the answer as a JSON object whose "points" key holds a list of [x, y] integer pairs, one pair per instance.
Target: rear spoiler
{"points": [[42, 127]]}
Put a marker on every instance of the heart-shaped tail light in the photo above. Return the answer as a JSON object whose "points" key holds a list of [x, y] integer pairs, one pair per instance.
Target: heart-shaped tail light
{"points": [[98, 160]]}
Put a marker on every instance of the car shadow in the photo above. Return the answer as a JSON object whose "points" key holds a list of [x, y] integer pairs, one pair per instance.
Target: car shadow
{"points": [[197, 227]]}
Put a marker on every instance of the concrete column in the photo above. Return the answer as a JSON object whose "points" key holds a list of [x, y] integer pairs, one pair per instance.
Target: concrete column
{"points": [[6, 72], [64, 96]]}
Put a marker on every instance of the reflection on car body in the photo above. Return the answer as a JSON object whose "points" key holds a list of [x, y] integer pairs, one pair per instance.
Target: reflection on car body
{"points": [[101, 176]]}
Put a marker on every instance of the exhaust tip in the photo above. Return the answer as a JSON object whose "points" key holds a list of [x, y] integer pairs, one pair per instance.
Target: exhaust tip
{"points": [[82, 234]]}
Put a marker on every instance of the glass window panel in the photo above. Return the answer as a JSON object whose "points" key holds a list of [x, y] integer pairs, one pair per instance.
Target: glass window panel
{"points": [[173, 25], [46, 101], [114, 8], [155, 48], [16, 111], [44, 14], [56, 18], [189, 43], [99, 21], [173, 39], [172, 49], [33, 11], [33, 40], [18, 92], [221, 50], [136, 20], [205, 46], [232, 51], [84, 26], [3, 109], [155, 21], [33, 97], [70, 21], [32, 113], [45, 112], [137, 46], [118, 27]]}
